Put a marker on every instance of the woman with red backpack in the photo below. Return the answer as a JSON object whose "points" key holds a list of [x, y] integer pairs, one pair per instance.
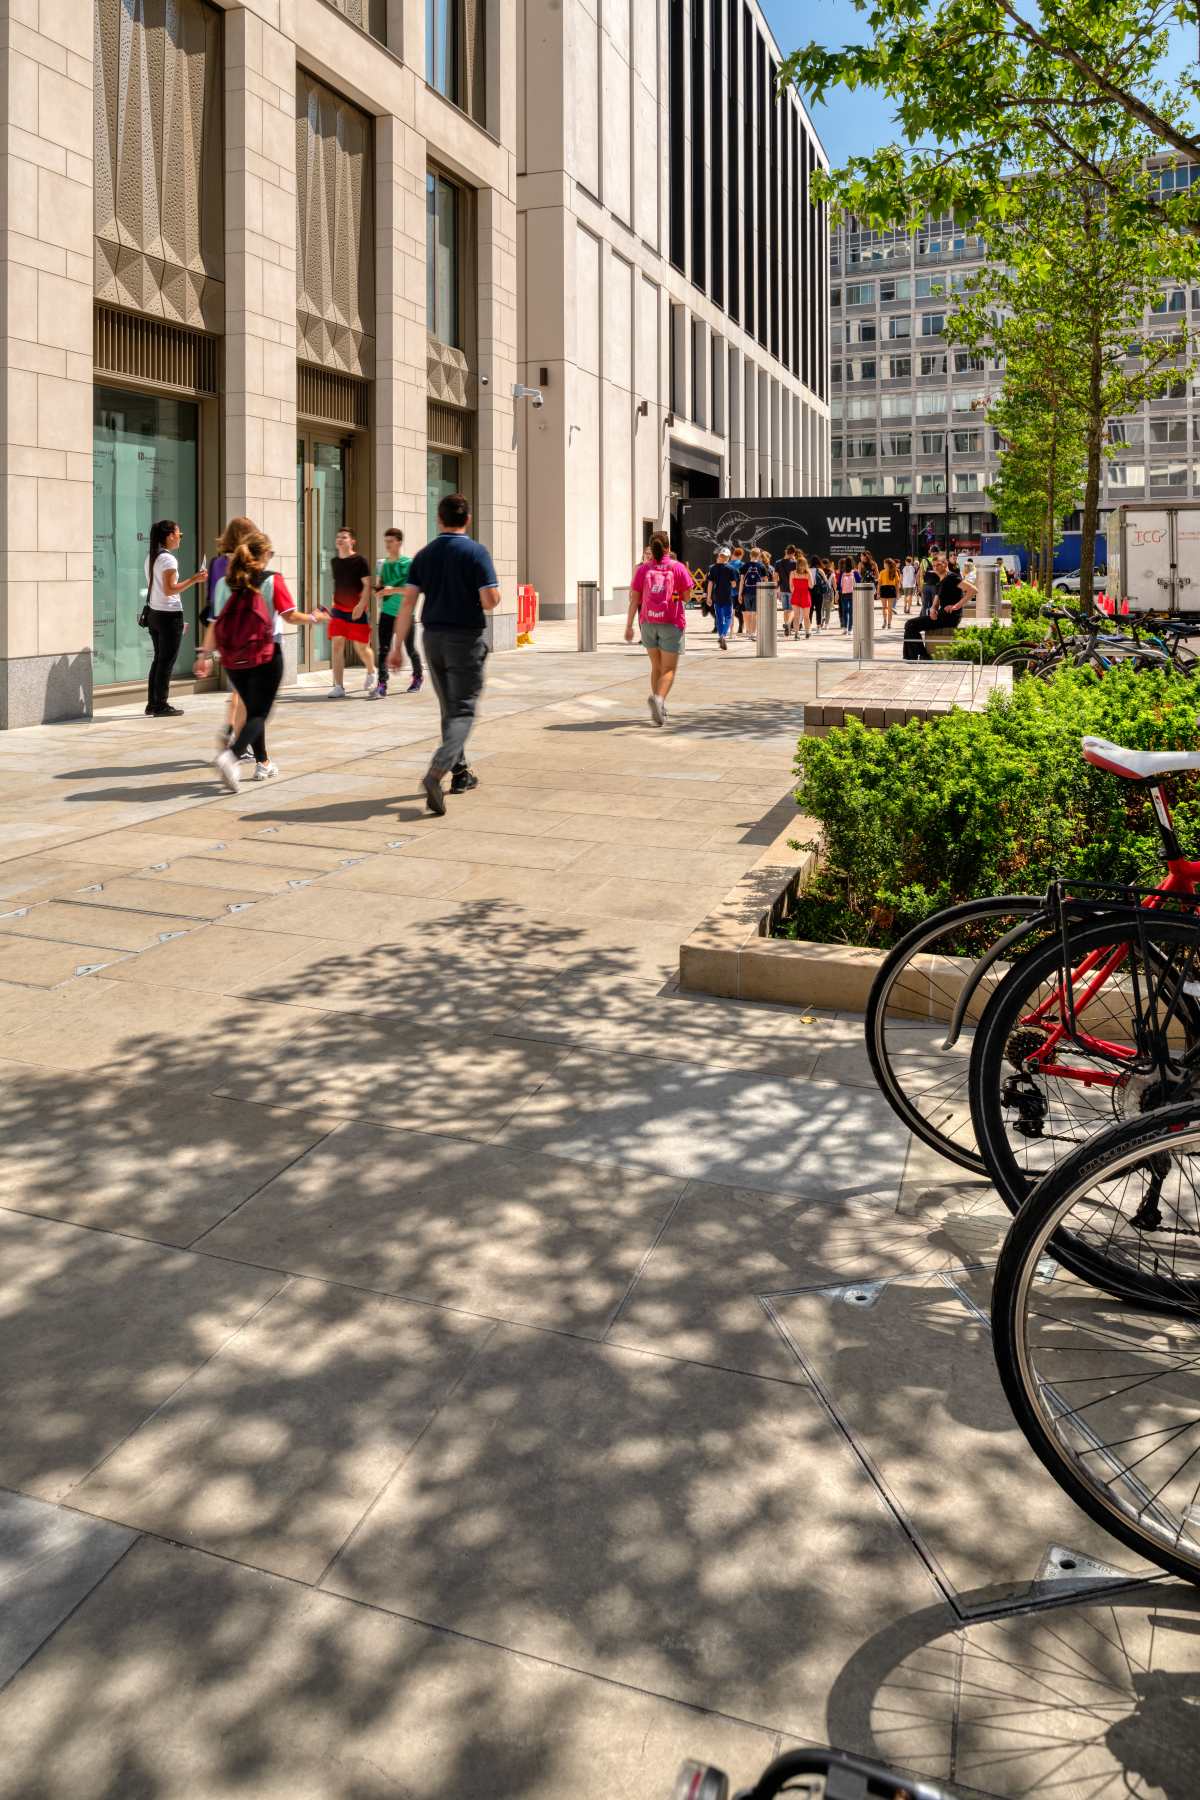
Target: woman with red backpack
{"points": [[656, 596], [251, 604]]}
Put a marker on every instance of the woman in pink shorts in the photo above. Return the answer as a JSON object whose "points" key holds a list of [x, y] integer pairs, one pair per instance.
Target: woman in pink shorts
{"points": [[801, 596], [656, 596]]}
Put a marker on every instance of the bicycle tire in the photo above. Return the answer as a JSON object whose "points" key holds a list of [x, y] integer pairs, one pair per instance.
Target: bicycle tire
{"points": [[1027, 1340], [888, 989], [990, 1058]]}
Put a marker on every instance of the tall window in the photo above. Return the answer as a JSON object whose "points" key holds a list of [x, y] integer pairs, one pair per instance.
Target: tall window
{"points": [[443, 208], [699, 121], [677, 92], [441, 47]]}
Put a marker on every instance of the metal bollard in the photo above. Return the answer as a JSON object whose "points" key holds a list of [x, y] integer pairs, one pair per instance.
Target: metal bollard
{"points": [[987, 593], [587, 614], [864, 622], [766, 642]]}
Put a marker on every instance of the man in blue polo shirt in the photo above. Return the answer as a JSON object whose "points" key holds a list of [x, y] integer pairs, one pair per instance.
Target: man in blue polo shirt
{"points": [[457, 578]]}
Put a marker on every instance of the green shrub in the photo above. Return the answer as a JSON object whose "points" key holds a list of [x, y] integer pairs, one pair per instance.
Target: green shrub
{"points": [[965, 644], [1026, 603], [922, 815]]}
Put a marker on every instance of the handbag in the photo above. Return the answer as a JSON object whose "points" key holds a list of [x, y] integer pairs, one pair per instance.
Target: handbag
{"points": [[144, 618]]}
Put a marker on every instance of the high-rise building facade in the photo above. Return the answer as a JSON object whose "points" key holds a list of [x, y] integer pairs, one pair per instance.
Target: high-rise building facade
{"points": [[296, 261], [673, 277], [910, 410]]}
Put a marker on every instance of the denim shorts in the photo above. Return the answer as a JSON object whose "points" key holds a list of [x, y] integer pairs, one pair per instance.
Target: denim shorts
{"points": [[663, 637]]}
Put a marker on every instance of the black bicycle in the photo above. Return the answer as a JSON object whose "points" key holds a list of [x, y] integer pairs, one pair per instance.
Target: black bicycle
{"points": [[816, 1774]]}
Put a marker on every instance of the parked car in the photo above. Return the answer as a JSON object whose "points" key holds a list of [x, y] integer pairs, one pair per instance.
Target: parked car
{"points": [[1069, 584]]}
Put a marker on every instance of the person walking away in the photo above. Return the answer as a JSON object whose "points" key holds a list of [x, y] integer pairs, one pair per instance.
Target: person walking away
{"points": [[391, 579], [233, 534], [252, 603], [820, 592], [928, 583], [889, 588], [348, 621], [737, 562], [722, 584], [943, 613], [845, 595], [908, 583], [753, 576], [801, 596], [866, 580], [783, 574], [458, 580], [164, 614], [656, 596]]}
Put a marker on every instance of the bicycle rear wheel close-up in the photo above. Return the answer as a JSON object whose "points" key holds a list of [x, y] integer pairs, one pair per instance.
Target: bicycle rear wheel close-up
{"points": [[909, 1010], [1106, 1385], [1059, 1058]]}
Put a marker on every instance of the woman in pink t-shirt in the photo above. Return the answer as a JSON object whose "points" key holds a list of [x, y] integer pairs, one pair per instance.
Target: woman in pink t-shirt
{"points": [[656, 596]]}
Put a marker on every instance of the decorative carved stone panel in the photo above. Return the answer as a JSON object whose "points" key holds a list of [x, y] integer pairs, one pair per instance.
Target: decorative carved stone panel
{"points": [[371, 15], [335, 276], [159, 177], [446, 372]]}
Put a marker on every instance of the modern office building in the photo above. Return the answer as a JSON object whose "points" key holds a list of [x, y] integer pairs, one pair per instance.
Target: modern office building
{"points": [[673, 289], [292, 260], [909, 409]]}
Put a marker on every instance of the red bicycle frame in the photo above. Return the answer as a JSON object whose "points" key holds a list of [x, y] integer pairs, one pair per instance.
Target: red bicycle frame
{"points": [[1183, 877]]}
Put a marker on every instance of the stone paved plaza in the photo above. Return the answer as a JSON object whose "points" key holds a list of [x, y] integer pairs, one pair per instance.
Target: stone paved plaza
{"points": [[441, 1358]]}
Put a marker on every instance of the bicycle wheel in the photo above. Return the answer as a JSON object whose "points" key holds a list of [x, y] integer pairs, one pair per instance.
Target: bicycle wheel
{"points": [[1031, 1109], [1106, 1386], [1022, 659], [909, 1008]]}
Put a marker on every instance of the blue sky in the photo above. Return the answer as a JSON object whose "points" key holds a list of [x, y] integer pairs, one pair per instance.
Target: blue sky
{"points": [[862, 121]]}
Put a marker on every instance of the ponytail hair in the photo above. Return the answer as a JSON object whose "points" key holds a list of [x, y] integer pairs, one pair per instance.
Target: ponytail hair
{"points": [[248, 560], [159, 533], [659, 546]]}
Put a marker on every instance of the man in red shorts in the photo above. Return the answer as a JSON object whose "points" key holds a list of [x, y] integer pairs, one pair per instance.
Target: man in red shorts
{"points": [[348, 615]]}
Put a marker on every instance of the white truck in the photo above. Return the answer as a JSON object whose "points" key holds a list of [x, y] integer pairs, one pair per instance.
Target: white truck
{"points": [[1154, 555]]}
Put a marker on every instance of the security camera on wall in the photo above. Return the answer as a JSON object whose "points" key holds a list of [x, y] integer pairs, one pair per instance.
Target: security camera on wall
{"points": [[537, 401]]}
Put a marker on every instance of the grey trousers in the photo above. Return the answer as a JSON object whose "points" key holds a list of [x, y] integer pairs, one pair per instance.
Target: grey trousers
{"points": [[455, 660]]}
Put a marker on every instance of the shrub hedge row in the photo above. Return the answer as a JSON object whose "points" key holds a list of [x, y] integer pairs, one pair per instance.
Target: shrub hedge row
{"points": [[922, 815]]}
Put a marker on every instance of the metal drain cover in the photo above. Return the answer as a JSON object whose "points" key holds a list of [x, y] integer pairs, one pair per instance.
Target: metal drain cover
{"points": [[1061, 1564]]}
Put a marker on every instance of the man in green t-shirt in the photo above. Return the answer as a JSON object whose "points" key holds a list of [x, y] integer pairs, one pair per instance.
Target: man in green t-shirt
{"points": [[391, 576]]}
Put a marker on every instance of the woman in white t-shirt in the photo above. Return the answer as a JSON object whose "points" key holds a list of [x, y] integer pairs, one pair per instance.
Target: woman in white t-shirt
{"points": [[164, 604], [908, 583]]}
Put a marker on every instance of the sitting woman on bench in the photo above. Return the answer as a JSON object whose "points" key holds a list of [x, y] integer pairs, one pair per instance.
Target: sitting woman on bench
{"points": [[942, 613]]}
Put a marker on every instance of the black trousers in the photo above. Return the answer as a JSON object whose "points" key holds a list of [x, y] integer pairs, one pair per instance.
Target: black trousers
{"points": [[456, 661], [914, 645], [166, 634], [257, 689], [387, 631]]}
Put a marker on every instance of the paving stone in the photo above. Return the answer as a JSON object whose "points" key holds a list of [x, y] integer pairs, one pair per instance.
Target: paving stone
{"points": [[758, 1131], [498, 1232], [273, 1451], [49, 1560], [702, 1496], [95, 1332], [185, 1676], [908, 1365], [95, 927], [131, 1158], [41, 964]]}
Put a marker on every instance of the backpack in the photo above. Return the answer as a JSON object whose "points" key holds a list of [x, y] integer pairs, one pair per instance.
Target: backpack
{"points": [[659, 603], [244, 628]]}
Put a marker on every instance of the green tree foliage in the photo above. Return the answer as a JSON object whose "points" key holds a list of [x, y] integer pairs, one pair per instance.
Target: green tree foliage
{"points": [[976, 82], [922, 815]]}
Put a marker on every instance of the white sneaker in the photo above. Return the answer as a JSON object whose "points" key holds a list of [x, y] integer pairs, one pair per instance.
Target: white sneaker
{"points": [[370, 684], [227, 768], [655, 705], [265, 771], [337, 692]]}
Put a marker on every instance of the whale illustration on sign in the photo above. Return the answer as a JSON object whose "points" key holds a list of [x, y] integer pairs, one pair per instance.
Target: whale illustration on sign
{"points": [[739, 528]]}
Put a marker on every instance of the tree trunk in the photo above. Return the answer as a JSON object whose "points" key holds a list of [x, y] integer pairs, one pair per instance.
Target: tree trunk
{"points": [[1091, 492]]}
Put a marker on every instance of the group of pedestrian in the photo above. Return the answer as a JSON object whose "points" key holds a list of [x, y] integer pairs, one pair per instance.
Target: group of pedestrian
{"points": [[248, 603]]}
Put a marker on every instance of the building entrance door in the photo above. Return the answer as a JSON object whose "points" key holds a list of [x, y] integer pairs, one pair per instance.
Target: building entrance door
{"points": [[324, 503]]}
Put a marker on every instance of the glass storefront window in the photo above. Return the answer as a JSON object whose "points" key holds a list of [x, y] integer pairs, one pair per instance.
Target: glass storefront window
{"points": [[444, 476], [145, 467], [441, 259]]}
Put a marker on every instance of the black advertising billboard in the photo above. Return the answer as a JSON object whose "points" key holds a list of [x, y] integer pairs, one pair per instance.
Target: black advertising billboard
{"points": [[818, 527]]}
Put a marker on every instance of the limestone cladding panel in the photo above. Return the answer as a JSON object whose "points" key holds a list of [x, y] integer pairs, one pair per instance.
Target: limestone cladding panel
{"points": [[335, 277], [401, 348], [447, 372], [46, 230], [260, 336], [369, 15], [496, 458], [158, 132]]}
